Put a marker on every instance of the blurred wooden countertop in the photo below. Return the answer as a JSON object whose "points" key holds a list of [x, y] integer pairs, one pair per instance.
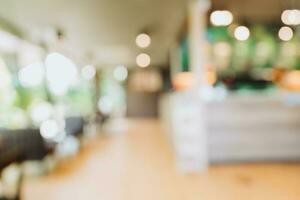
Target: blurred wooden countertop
{"points": [[137, 164]]}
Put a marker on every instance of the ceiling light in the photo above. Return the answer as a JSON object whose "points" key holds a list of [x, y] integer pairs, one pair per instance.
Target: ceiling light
{"points": [[143, 40], [285, 33], [143, 60], [291, 17], [242, 33], [294, 17], [221, 18], [285, 17]]}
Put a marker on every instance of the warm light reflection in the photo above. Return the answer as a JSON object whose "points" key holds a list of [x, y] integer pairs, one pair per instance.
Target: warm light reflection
{"points": [[291, 80], [183, 81], [145, 81], [211, 76]]}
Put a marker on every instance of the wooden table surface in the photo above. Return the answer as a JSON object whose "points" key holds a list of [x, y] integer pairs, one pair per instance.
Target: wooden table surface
{"points": [[137, 164]]}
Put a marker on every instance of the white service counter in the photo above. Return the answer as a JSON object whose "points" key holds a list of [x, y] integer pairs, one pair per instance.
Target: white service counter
{"points": [[241, 127]]}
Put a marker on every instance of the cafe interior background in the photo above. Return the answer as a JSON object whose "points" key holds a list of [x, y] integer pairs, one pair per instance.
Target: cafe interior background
{"points": [[182, 99]]}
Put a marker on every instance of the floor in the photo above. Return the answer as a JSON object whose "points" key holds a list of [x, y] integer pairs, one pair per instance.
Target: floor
{"points": [[138, 165]]}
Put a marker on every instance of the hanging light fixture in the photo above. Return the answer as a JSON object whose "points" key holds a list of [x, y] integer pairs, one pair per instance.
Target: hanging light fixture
{"points": [[285, 33], [143, 60], [242, 33], [291, 17], [143, 40], [221, 18]]}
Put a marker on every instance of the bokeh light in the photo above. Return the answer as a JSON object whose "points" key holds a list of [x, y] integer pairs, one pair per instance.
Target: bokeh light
{"points": [[8, 42], [120, 73], [143, 60], [285, 33], [61, 72], [221, 18], [49, 129], [222, 49], [32, 75], [88, 72], [41, 112], [242, 33], [143, 40], [291, 17], [105, 105]]}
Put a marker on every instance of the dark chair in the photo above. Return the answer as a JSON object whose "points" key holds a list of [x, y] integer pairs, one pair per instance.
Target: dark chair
{"points": [[17, 146]]}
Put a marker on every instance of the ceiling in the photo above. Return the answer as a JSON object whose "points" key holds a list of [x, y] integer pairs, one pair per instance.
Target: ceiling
{"points": [[103, 29], [256, 11]]}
